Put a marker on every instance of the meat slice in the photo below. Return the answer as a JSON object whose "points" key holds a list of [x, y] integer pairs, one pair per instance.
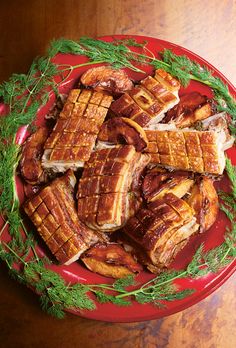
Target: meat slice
{"points": [[156, 184], [73, 138], [107, 78], [147, 103], [110, 260], [121, 130], [161, 230], [203, 199], [200, 152], [52, 210], [219, 123], [191, 108], [30, 164], [103, 190]]}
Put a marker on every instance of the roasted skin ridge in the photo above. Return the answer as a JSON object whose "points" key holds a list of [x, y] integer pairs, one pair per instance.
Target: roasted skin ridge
{"points": [[195, 151], [73, 137], [159, 229], [103, 200], [53, 212], [148, 101]]}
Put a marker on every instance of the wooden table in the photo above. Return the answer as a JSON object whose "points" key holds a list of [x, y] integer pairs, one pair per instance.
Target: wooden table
{"points": [[207, 28]]}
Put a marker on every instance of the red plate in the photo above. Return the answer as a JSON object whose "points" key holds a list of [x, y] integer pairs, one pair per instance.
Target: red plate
{"points": [[78, 273]]}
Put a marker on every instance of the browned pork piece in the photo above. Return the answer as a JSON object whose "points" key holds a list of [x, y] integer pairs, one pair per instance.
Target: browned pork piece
{"points": [[30, 163], [192, 107], [219, 123], [156, 184], [104, 191], [161, 230], [73, 137], [106, 78], [147, 102], [121, 130], [110, 260], [204, 201], [195, 151], [52, 210]]}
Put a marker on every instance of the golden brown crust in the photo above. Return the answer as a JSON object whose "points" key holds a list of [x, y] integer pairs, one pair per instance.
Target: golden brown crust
{"points": [[74, 135], [167, 79], [52, 210], [195, 151], [30, 163], [106, 78], [110, 260], [204, 200], [103, 188], [121, 130], [148, 101], [191, 108], [162, 229]]}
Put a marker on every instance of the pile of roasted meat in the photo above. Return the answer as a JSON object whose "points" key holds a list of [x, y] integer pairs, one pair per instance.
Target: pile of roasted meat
{"points": [[124, 176]]}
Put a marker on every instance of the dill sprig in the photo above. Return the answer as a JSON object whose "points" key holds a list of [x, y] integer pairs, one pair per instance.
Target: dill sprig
{"points": [[24, 94], [120, 55]]}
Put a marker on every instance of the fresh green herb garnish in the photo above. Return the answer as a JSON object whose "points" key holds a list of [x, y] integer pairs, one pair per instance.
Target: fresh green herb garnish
{"points": [[24, 94]]}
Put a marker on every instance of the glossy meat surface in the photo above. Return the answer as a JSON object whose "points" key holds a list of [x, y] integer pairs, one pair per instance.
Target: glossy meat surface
{"points": [[199, 152], [147, 102], [106, 78], [110, 260], [121, 130], [30, 163], [103, 199], [73, 137], [52, 210], [203, 199], [191, 108], [162, 229]]}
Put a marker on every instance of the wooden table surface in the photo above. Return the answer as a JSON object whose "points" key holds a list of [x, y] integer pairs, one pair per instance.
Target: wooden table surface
{"points": [[206, 27]]}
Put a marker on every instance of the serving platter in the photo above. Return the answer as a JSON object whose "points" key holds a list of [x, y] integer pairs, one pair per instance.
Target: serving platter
{"points": [[76, 272]]}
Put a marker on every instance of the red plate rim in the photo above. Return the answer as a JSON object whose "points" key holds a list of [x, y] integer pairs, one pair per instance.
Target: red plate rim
{"points": [[138, 312]]}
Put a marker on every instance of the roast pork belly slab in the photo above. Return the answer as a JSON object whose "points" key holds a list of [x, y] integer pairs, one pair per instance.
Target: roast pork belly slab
{"points": [[147, 103], [195, 151], [53, 212], [104, 190], [161, 230], [73, 137]]}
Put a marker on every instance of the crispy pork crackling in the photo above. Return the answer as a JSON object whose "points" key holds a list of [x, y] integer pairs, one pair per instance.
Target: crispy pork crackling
{"points": [[104, 190], [200, 152], [147, 103], [161, 230], [53, 212], [73, 137]]}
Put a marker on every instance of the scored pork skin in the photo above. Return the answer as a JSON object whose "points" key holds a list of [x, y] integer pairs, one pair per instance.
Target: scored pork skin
{"points": [[147, 102], [195, 151], [52, 210], [103, 190], [73, 138], [161, 230]]}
